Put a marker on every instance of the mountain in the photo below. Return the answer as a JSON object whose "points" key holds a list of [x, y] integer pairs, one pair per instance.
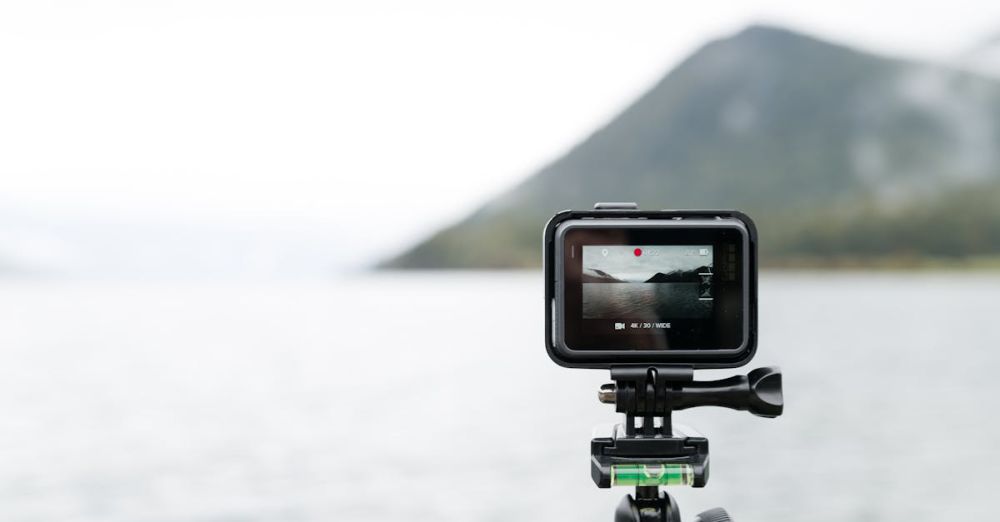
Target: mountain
{"points": [[680, 276], [593, 275], [836, 153]]}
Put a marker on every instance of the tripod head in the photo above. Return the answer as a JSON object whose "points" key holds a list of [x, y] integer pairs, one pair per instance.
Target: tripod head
{"points": [[647, 453]]}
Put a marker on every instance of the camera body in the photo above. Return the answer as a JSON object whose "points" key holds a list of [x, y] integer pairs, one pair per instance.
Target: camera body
{"points": [[667, 287]]}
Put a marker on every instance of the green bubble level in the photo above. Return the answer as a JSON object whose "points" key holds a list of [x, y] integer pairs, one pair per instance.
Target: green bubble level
{"points": [[668, 474]]}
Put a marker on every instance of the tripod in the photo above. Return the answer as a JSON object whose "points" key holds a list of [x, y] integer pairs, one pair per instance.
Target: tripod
{"points": [[646, 452]]}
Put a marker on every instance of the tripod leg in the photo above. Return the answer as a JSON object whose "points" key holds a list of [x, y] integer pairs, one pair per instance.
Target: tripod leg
{"points": [[649, 505]]}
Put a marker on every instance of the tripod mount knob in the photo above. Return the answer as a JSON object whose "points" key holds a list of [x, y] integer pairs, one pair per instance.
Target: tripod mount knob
{"points": [[765, 398], [758, 392]]}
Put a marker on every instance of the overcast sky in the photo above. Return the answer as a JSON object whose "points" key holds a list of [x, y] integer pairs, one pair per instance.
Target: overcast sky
{"points": [[286, 111]]}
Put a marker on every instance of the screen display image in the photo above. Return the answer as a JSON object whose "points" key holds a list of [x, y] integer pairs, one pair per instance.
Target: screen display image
{"points": [[645, 286]]}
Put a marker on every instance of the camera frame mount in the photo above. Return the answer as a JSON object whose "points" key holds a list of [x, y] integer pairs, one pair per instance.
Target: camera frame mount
{"points": [[647, 452]]}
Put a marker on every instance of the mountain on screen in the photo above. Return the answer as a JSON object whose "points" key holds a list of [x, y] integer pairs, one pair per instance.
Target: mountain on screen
{"points": [[593, 275], [680, 276]]}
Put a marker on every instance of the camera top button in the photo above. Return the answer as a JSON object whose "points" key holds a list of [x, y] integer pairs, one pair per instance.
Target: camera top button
{"points": [[621, 205]]}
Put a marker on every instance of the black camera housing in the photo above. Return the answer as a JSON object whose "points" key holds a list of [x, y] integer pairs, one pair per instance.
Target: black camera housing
{"points": [[611, 217]]}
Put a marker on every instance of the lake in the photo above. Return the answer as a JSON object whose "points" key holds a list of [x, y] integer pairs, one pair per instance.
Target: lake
{"points": [[634, 300], [429, 397]]}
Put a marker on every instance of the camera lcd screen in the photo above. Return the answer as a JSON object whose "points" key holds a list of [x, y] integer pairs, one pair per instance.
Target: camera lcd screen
{"points": [[678, 287], [649, 281]]}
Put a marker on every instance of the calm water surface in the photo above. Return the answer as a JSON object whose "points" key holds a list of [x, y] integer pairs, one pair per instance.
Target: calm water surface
{"points": [[634, 300], [430, 397]]}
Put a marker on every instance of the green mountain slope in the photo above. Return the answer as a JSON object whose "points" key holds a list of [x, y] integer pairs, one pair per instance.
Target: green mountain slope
{"points": [[833, 151]]}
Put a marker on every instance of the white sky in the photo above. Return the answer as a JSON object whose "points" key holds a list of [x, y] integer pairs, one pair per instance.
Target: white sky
{"points": [[242, 111]]}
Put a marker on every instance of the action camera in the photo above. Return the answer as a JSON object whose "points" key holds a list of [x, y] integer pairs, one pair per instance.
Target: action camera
{"points": [[666, 287]]}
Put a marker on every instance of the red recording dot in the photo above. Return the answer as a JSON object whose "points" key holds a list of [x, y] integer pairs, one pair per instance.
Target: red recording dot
{"points": [[637, 252]]}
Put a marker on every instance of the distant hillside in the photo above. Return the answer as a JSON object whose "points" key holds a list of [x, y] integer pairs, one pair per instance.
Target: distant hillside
{"points": [[593, 275], [680, 276], [835, 153]]}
